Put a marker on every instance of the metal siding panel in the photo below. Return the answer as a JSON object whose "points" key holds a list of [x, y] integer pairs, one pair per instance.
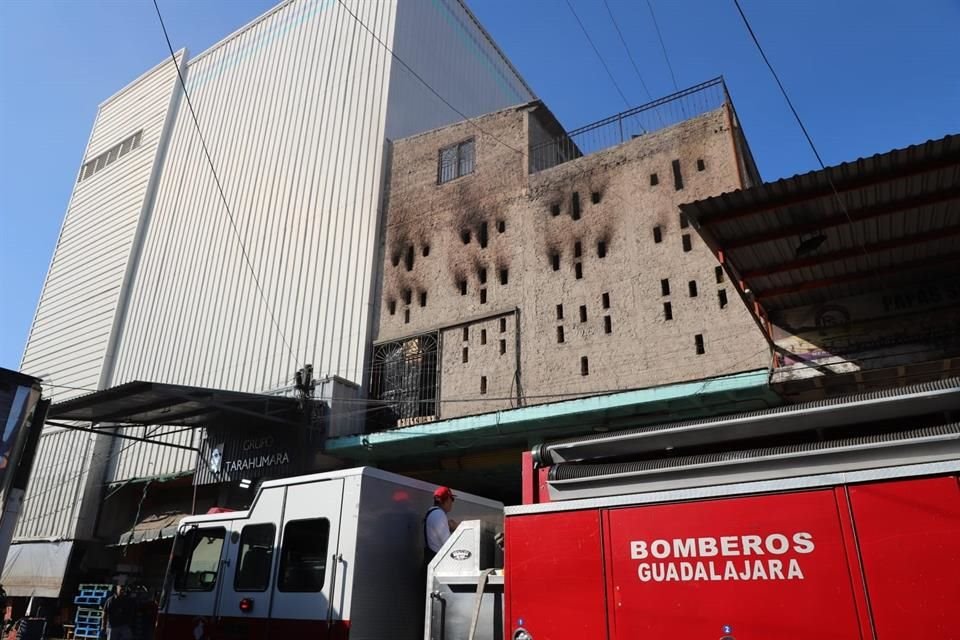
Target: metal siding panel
{"points": [[292, 109]]}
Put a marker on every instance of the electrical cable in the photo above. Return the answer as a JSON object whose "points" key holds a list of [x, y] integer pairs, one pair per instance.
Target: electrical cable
{"points": [[223, 197], [599, 57], [663, 47], [806, 134], [629, 54]]}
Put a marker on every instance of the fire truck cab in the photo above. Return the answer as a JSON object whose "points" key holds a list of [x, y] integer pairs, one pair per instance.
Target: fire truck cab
{"points": [[330, 555]]}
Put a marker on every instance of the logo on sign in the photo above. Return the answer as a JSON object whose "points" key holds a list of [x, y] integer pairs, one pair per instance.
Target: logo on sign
{"points": [[460, 554]]}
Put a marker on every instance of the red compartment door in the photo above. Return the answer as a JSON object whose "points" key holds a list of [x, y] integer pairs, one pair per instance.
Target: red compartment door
{"points": [[909, 538], [554, 576], [758, 567]]}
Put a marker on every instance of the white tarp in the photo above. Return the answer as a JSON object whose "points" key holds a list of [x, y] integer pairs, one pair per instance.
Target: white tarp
{"points": [[36, 568]]}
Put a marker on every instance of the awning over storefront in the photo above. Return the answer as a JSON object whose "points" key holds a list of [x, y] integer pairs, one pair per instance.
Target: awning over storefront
{"points": [[36, 568], [157, 526], [153, 403]]}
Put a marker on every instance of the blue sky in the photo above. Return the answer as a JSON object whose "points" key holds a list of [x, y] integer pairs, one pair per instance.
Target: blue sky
{"points": [[866, 75]]}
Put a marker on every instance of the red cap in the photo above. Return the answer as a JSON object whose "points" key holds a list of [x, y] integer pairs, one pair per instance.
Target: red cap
{"points": [[442, 493]]}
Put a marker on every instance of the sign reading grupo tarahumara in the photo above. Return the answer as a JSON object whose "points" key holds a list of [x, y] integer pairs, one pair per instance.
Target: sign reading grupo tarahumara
{"points": [[775, 556]]}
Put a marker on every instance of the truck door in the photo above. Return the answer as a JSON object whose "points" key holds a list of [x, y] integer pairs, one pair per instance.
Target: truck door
{"points": [[245, 594], [308, 592], [191, 605]]}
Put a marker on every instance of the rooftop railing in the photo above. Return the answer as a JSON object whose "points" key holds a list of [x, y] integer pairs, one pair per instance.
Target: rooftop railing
{"points": [[624, 126]]}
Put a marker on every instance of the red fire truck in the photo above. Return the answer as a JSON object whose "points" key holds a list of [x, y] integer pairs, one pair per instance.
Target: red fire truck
{"points": [[621, 536]]}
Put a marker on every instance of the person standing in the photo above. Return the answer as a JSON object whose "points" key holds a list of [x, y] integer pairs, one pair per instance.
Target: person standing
{"points": [[118, 614], [437, 527]]}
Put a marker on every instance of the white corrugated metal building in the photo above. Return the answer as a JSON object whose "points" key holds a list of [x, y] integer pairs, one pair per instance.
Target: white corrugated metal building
{"points": [[148, 280]]}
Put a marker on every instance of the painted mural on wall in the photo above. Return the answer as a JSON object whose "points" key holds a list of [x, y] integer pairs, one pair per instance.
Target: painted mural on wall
{"points": [[884, 329]]}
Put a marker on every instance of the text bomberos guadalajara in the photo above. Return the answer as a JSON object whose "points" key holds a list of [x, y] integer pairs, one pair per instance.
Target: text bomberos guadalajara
{"points": [[709, 559]]}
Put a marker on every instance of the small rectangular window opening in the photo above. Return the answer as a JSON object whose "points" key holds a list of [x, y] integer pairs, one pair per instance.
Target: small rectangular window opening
{"points": [[482, 235], [482, 275], [601, 249], [687, 245], [503, 325], [654, 180], [555, 210], [607, 324], [483, 336], [466, 355], [465, 236], [718, 271], [595, 197], [700, 164], [577, 249], [692, 286], [407, 296], [426, 250], [665, 287], [483, 385], [606, 300], [392, 306], [583, 313], [698, 340], [722, 298], [423, 298], [677, 176], [501, 226], [483, 296], [584, 366], [408, 261], [406, 316], [466, 334], [463, 287], [504, 276], [575, 211], [503, 347], [667, 311], [555, 261], [684, 223], [657, 234], [560, 334], [578, 271], [559, 312]]}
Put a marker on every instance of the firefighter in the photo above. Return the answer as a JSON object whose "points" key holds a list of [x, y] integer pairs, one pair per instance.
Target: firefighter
{"points": [[437, 527]]}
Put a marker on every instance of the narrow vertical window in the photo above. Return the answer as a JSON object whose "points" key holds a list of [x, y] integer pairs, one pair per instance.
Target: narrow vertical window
{"points": [[667, 311], [409, 258], [463, 287], [555, 261], [722, 298], [483, 336], [578, 271], [575, 210], [607, 324], [665, 287], [701, 165], [423, 298], [483, 296], [595, 197], [605, 298], [583, 313], [692, 286], [503, 347], [684, 223], [677, 176], [392, 306], [577, 249], [718, 271], [482, 275], [466, 334], [501, 226], [407, 296], [560, 334], [504, 275], [584, 366], [466, 354], [483, 385], [555, 210], [687, 244], [503, 325], [657, 234], [406, 316], [559, 312], [698, 342], [601, 249], [654, 180], [482, 235]]}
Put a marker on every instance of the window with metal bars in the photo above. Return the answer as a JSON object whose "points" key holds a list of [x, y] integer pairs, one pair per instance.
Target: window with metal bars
{"points": [[456, 161]]}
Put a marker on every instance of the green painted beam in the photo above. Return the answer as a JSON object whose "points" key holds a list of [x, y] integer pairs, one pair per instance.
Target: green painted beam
{"points": [[524, 425]]}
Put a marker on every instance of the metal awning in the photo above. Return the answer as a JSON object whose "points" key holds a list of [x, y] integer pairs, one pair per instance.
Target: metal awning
{"points": [[789, 243], [157, 526], [153, 403], [36, 568]]}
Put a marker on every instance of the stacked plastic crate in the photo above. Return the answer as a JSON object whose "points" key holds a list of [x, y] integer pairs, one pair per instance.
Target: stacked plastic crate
{"points": [[89, 601]]}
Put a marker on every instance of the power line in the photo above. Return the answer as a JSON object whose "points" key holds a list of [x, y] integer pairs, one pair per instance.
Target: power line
{"points": [[223, 197], [599, 57], [420, 78], [663, 47], [629, 55], [813, 147]]}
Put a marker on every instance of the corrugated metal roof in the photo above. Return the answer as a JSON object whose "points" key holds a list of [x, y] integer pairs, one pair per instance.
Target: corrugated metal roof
{"points": [[895, 217]]}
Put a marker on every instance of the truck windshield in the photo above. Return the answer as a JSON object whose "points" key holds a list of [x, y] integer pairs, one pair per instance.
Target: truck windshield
{"points": [[201, 560]]}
